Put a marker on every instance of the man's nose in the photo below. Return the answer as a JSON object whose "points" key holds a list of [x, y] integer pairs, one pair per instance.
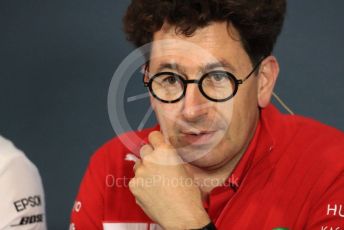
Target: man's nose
{"points": [[195, 104]]}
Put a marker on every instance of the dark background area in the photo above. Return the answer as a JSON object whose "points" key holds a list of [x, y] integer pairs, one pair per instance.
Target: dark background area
{"points": [[57, 59]]}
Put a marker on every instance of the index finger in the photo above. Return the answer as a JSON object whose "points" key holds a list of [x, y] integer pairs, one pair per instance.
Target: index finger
{"points": [[156, 139]]}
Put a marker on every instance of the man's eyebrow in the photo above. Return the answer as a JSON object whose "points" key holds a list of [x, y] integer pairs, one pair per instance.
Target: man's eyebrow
{"points": [[221, 63], [218, 64], [171, 66]]}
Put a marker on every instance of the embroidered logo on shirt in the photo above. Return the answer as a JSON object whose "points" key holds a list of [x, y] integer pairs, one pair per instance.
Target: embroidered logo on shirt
{"points": [[335, 210], [233, 182], [29, 220], [24, 203], [77, 206]]}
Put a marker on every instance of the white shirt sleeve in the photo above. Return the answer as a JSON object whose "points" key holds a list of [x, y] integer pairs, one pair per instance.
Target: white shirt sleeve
{"points": [[22, 204]]}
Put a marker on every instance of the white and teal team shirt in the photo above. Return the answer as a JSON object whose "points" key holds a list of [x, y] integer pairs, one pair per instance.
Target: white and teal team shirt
{"points": [[22, 204]]}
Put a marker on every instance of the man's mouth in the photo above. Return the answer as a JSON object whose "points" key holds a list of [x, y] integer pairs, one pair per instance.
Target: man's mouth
{"points": [[197, 137]]}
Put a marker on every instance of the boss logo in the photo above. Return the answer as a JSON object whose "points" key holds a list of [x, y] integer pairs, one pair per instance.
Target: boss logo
{"points": [[30, 220], [31, 201]]}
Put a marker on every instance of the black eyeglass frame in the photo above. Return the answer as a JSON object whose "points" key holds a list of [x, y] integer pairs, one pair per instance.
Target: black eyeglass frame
{"points": [[199, 82]]}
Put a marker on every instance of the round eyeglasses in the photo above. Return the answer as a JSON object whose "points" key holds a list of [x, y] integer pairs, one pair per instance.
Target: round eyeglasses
{"points": [[217, 86]]}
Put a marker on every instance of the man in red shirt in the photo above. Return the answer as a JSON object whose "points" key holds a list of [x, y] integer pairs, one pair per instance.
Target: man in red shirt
{"points": [[222, 156]]}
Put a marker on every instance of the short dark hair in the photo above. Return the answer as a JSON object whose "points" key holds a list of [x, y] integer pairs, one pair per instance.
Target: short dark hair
{"points": [[259, 22]]}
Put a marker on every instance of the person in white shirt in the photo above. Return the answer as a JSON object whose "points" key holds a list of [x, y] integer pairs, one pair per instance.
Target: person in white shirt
{"points": [[22, 204]]}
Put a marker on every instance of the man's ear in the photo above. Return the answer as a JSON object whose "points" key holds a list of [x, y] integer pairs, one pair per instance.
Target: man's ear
{"points": [[267, 76], [144, 70]]}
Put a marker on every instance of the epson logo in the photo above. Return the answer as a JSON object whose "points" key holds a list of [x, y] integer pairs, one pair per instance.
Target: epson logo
{"points": [[30, 220], [31, 201]]}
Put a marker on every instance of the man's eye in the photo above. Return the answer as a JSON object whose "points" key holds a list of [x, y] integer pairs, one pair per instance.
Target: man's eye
{"points": [[171, 80], [218, 77]]}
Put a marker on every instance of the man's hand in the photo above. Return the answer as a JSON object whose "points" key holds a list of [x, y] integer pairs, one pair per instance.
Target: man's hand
{"points": [[163, 188]]}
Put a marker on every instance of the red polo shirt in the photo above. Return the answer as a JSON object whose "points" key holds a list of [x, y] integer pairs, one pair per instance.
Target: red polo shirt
{"points": [[291, 176]]}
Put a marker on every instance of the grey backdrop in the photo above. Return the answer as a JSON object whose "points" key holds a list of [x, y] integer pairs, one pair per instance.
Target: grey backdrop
{"points": [[57, 59]]}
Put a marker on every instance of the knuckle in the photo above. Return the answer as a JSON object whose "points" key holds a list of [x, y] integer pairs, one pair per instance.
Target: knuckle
{"points": [[153, 134], [143, 147], [144, 150]]}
